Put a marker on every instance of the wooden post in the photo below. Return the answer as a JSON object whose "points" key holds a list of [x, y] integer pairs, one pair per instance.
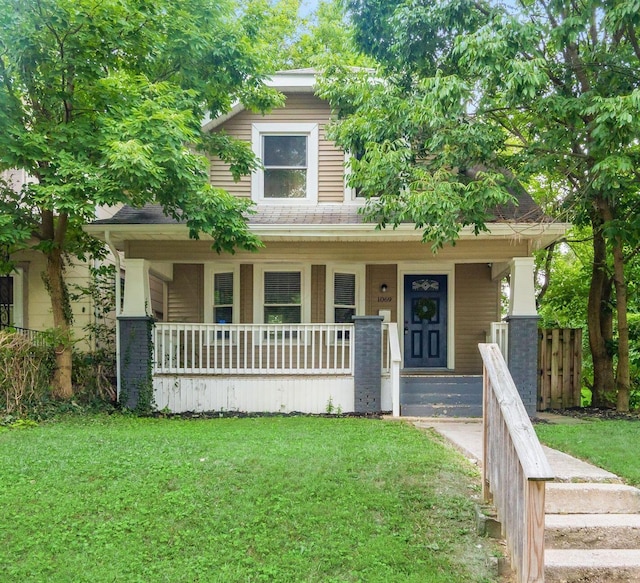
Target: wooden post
{"points": [[533, 558]]}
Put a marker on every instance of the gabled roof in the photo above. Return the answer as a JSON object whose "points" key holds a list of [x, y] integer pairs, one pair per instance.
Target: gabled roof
{"points": [[293, 81]]}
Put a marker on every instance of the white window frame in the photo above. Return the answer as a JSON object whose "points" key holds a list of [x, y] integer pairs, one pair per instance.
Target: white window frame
{"points": [[210, 271], [258, 289], [350, 191], [311, 131], [359, 272]]}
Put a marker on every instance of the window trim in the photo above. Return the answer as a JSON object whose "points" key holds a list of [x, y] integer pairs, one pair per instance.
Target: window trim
{"points": [[258, 289], [311, 131], [331, 270], [210, 271]]}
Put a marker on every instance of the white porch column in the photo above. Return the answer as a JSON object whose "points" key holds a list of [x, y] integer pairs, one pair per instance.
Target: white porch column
{"points": [[522, 301], [523, 332], [137, 296]]}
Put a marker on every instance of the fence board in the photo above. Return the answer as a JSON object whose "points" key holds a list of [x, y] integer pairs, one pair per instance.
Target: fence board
{"points": [[560, 367]]}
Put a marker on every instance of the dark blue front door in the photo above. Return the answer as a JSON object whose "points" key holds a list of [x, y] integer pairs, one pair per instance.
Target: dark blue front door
{"points": [[425, 321]]}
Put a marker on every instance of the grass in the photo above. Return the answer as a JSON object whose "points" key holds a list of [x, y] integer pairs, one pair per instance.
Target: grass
{"points": [[117, 498], [609, 444]]}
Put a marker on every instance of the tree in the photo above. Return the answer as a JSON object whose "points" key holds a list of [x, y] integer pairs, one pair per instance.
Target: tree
{"points": [[327, 36], [101, 102], [545, 90]]}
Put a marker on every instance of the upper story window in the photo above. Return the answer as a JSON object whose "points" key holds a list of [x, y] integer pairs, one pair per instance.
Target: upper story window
{"points": [[289, 156]]}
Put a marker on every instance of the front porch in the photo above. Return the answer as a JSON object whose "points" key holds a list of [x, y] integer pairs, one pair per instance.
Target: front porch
{"points": [[310, 368], [238, 363]]}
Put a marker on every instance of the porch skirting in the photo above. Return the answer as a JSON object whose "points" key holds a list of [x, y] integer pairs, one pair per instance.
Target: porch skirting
{"points": [[255, 394]]}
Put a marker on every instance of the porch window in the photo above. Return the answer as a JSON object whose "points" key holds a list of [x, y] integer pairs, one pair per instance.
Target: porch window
{"points": [[282, 297], [223, 298], [344, 293], [289, 156], [6, 301], [11, 299]]}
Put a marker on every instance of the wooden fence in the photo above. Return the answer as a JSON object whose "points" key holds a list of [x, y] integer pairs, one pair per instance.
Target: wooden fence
{"points": [[560, 367]]}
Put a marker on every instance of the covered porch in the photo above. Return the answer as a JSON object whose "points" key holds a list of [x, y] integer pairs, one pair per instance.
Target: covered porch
{"points": [[311, 368], [278, 331]]}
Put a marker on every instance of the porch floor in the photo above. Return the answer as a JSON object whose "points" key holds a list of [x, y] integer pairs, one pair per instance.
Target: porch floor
{"points": [[440, 395]]}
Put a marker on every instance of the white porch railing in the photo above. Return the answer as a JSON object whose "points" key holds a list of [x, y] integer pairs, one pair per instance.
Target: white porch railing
{"points": [[500, 336], [253, 349], [514, 469]]}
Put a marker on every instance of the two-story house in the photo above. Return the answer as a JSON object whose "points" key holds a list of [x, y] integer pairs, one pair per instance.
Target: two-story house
{"points": [[275, 330]]}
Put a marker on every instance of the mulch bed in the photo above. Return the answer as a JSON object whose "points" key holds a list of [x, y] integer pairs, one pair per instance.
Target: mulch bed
{"points": [[596, 413]]}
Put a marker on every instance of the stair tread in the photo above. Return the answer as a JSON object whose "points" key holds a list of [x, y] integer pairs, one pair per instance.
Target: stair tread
{"points": [[592, 558], [591, 520]]}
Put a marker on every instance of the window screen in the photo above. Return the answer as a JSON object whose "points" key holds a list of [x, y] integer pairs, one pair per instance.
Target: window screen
{"points": [[344, 291], [282, 297], [223, 298]]}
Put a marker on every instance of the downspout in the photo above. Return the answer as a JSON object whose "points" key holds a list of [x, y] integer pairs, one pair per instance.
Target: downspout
{"points": [[116, 256]]}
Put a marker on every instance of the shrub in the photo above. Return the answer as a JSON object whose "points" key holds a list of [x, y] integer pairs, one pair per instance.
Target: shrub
{"points": [[25, 372]]}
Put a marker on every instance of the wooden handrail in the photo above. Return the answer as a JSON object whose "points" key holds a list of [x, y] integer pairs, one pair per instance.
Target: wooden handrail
{"points": [[514, 469]]}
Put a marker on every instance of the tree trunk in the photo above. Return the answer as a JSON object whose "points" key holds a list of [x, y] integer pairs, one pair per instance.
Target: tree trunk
{"points": [[62, 386], [623, 375], [600, 323]]}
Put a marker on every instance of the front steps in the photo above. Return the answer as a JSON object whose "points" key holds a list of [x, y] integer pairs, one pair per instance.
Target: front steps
{"points": [[431, 395], [592, 533]]}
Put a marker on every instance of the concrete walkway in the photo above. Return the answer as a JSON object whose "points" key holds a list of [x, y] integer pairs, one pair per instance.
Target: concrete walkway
{"points": [[466, 435]]}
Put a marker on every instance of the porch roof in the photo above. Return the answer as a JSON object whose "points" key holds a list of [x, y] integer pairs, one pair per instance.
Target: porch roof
{"points": [[323, 221]]}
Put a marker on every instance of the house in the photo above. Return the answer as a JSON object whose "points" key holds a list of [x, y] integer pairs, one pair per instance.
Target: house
{"points": [[24, 299], [331, 314]]}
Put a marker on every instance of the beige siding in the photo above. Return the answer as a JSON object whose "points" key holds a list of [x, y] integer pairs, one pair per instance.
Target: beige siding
{"points": [[318, 293], [376, 276], [156, 289], [327, 252], [246, 294], [477, 305], [37, 303], [185, 294], [298, 109]]}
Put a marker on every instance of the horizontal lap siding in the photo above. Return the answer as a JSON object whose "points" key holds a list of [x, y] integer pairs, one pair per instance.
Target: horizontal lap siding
{"points": [[156, 289], [185, 294], [318, 293], [298, 109], [477, 305], [246, 294], [376, 276]]}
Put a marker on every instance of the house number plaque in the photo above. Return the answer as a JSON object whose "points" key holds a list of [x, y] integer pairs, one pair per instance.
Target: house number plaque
{"points": [[384, 299]]}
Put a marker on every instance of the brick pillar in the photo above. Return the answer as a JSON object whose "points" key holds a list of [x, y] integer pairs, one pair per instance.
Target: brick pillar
{"points": [[368, 364], [136, 349], [523, 358]]}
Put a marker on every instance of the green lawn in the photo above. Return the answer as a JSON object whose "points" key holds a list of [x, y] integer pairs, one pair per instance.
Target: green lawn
{"points": [[262, 499], [612, 445]]}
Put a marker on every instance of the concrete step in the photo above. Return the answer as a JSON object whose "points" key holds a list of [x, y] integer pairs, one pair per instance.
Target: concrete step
{"points": [[593, 565], [591, 498], [441, 410], [592, 531]]}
